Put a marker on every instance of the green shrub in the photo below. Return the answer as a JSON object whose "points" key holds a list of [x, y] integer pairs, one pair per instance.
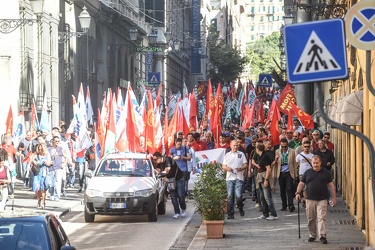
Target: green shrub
{"points": [[210, 192]]}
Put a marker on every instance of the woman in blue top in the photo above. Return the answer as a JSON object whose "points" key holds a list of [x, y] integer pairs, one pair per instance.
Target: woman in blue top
{"points": [[41, 159]]}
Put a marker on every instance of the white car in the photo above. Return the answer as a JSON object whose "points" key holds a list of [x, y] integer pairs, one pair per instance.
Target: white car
{"points": [[124, 183]]}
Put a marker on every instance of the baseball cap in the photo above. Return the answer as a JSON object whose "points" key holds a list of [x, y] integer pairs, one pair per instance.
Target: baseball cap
{"points": [[226, 134]]}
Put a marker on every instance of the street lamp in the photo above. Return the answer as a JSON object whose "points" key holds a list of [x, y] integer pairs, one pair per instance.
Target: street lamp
{"points": [[84, 20], [133, 33], [152, 37], [288, 18], [216, 70], [10, 25]]}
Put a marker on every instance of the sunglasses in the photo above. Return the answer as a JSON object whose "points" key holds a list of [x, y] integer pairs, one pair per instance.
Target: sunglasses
{"points": [[327, 137], [284, 146], [306, 146]]}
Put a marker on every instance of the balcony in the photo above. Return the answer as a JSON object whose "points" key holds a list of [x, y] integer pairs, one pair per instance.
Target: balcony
{"points": [[122, 6], [26, 100]]}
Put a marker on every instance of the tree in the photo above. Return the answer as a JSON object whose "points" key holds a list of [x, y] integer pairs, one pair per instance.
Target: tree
{"points": [[228, 60], [261, 55]]}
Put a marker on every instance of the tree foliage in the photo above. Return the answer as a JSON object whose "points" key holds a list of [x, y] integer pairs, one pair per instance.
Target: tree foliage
{"points": [[229, 61], [262, 53]]}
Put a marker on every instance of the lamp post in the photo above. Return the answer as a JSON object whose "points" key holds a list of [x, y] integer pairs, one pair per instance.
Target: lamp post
{"points": [[84, 20], [10, 25]]}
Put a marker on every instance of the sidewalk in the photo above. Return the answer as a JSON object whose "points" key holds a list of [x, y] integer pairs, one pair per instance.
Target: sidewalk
{"points": [[24, 200], [250, 233]]}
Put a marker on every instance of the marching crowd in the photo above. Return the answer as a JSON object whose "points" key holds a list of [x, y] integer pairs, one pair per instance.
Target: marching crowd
{"points": [[301, 164], [49, 164], [252, 163]]}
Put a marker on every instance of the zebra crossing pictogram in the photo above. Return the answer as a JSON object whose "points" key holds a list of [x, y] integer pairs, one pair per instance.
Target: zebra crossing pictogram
{"points": [[315, 57]]}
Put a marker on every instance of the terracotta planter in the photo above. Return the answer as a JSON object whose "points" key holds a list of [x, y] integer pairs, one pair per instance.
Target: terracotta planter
{"points": [[214, 229]]}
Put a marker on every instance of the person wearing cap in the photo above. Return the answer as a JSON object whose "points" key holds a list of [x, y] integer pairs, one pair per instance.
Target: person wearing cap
{"points": [[168, 166]]}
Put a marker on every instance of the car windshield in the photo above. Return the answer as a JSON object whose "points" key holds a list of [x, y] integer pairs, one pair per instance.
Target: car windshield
{"points": [[22, 235], [125, 167]]}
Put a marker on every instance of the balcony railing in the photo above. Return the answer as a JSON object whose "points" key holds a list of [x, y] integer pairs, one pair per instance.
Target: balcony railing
{"points": [[124, 9], [26, 100]]}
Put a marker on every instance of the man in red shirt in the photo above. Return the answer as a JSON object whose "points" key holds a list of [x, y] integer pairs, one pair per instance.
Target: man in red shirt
{"points": [[222, 142], [198, 145]]}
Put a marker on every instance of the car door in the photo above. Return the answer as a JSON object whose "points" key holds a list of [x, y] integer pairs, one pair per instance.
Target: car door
{"points": [[58, 232]]}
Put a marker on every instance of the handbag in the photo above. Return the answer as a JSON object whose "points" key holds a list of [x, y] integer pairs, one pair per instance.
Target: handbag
{"points": [[35, 169], [172, 185]]}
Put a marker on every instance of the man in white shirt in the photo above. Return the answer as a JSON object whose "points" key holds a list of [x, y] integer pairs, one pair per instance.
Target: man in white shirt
{"points": [[235, 164]]}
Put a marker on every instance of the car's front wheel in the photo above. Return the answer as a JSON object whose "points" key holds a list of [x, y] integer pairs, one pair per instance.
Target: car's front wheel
{"points": [[153, 216], [162, 205], [89, 217]]}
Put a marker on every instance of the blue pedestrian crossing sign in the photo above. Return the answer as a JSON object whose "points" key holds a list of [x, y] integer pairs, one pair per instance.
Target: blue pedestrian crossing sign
{"points": [[315, 51], [265, 80], [153, 77]]}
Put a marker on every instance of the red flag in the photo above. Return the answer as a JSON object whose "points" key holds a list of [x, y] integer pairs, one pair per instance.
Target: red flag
{"points": [[201, 89], [131, 127], [210, 101], [9, 122], [150, 124], [110, 135], [193, 112], [274, 127], [260, 112], [284, 103], [100, 133], [305, 118], [171, 131], [166, 129], [290, 120], [219, 109], [159, 95], [272, 109]]}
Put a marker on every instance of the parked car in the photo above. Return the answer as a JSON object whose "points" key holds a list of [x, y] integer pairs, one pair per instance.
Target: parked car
{"points": [[124, 183], [31, 231]]}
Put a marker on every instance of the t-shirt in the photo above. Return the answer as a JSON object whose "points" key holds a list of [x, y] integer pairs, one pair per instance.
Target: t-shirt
{"points": [[303, 163], [183, 151], [316, 184], [169, 162], [233, 161], [264, 160]]}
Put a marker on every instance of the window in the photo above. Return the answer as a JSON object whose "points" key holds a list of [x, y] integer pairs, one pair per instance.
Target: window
{"points": [[252, 28], [252, 38], [261, 18]]}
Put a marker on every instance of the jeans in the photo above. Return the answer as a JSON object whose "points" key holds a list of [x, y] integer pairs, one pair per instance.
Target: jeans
{"points": [[286, 189], [24, 171], [178, 196], [31, 179], [55, 188], [72, 176], [81, 172], [268, 207], [234, 189]]}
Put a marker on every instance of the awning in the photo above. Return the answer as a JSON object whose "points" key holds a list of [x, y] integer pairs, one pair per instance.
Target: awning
{"points": [[332, 114], [351, 109], [338, 112]]}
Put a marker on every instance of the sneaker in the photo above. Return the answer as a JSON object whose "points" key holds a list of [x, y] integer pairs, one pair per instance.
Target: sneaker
{"points": [[323, 240], [283, 209], [262, 217], [11, 196], [311, 239], [64, 194], [80, 190], [272, 217], [292, 208], [230, 217], [52, 198], [57, 199], [257, 205], [183, 213], [176, 216], [242, 212]]}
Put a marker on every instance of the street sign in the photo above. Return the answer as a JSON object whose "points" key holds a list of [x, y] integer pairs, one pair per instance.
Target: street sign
{"points": [[360, 25], [153, 77], [265, 80], [315, 51]]}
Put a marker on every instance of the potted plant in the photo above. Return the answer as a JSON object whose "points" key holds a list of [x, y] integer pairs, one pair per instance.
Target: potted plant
{"points": [[210, 195]]}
